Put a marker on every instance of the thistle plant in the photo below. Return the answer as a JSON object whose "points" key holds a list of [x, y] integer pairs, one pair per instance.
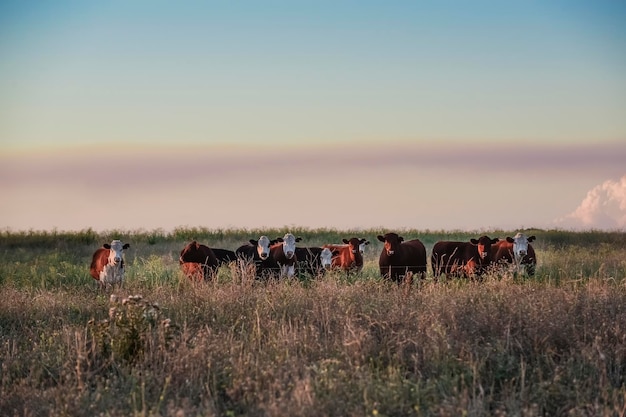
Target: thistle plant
{"points": [[133, 326]]}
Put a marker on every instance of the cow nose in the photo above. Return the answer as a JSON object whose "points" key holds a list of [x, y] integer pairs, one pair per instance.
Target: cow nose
{"points": [[522, 252], [289, 254], [263, 255], [117, 259]]}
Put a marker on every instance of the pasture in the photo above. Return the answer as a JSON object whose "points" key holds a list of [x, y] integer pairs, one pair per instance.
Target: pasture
{"points": [[339, 345]]}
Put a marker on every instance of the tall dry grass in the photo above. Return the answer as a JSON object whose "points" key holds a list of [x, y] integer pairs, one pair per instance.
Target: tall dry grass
{"points": [[339, 345]]}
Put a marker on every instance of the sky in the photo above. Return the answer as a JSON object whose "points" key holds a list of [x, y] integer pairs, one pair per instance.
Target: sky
{"points": [[452, 115]]}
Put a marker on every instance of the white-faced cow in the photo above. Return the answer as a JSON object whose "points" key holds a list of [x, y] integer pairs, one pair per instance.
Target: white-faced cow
{"points": [[516, 250], [283, 257], [257, 253], [399, 257], [107, 264], [349, 257], [314, 260], [198, 261], [469, 259]]}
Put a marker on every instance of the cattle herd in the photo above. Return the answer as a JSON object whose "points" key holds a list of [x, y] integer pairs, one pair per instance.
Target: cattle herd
{"points": [[400, 260]]}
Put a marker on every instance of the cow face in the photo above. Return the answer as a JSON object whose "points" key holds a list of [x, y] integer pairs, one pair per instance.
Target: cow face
{"points": [[262, 246], [484, 246], [392, 241], [188, 250], [354, 246], [520, 245], [326, 258], [289, 245], [362, 245], [116, 253]]}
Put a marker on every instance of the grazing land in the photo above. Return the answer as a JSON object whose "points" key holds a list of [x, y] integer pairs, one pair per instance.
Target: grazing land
{"points": [[339, 345]]}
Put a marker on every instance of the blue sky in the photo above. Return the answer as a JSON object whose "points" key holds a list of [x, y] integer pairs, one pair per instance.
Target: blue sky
{"points": [[484, 80]]}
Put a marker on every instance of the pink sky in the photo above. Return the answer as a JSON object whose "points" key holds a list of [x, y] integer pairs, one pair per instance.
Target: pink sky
{"points": [[396, 186]]}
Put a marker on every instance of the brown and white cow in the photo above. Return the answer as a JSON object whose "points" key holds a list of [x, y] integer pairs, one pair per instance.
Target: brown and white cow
{"points": [[282, 258], [107, 263], [467, 259], [349, 256], [399, 257], [517, 251], [198, 261]]}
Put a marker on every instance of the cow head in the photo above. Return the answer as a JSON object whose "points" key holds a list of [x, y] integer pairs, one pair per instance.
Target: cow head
{"points": [[262, 246], [520, 245], [116, 254], [354, 245], [326, 257], [483, 244], [362, 245], [289, 244], [391, 241]]}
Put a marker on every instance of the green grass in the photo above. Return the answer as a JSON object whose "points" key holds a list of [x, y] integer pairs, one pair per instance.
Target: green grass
{"points": [[553, 344]]}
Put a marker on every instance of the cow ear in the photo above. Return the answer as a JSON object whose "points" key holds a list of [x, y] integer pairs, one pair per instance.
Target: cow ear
{"points": [[344, 240], [279, 239], [365, 241], [494, 240], [381, 238], [253, 242], [400, 239], [126, 246], [531, 238], [474, 241], [510, 239], [106, 246], [298, 239]]}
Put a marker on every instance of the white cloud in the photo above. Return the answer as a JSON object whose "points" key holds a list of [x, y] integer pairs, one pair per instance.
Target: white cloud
{"points": [[604, 208]]}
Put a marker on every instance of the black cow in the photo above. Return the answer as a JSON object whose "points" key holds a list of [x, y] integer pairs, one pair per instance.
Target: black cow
{"points": [[257, 253], [399, 257], [224, 256], [314, 260]]}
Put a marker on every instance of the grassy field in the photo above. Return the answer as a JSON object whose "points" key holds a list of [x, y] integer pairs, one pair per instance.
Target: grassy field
{"points": [[553, 344]]}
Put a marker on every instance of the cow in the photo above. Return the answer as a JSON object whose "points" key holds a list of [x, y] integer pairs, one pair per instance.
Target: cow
{"points": [[282, 258], [343, 245], [468, 259], [399, 257], [314, 260], [516, 250], [349, 257], [107, 263], [256, 253], [224, 256], [198, 261]]}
